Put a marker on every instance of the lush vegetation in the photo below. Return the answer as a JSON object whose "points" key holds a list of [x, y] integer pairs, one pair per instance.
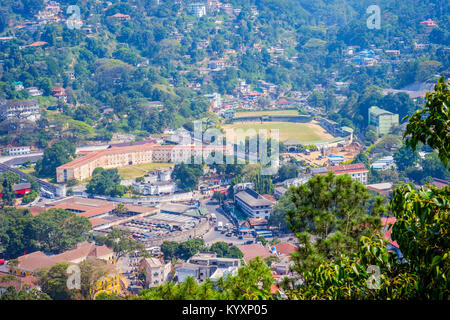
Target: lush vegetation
{"points": [[54, 230]]}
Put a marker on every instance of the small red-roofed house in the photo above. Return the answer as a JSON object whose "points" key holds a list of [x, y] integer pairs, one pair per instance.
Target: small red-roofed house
{"points": [[285, 248], [251, 251], [38, 44], [429, 23], [121, 17]]}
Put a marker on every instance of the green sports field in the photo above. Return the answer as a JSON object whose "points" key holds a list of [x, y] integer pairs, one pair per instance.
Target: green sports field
{"points": [[303, 132]]}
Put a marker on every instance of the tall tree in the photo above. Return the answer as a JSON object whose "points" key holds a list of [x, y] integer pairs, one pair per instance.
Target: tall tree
{"points": [[58, 154], [430, 125], [334, 210]]}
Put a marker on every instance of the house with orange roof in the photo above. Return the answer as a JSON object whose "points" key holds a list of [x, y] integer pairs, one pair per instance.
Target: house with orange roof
{"points": [[38, 44], [28, 265], [251, 251], [121, 16]]}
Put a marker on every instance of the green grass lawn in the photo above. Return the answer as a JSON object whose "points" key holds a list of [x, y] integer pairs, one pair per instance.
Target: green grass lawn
{"points": [[303, 132], [29, 170], [140, 170], [266, 113]]}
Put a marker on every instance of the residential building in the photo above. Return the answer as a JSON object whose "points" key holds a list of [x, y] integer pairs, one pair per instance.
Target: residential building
{"points": [[384, 163], [20, 109], [121, 17], [15, 151], [20, 189], [156, 272], [356, 171], [382, 188], [29, 264], [383, 120], [155, 188], [197, 9], [253, 204], [60, 93], [205, 265], [34, 92], [18, 85], [251, 251], [279, 191]]}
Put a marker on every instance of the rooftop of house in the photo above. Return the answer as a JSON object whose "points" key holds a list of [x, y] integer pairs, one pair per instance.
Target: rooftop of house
{"points": [[37, 260], [348, 168], [152, 262], [254, 250], [380, 186], [286, 248]]}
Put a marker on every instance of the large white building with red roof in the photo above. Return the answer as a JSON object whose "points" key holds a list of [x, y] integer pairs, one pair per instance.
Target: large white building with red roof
{"points": [[115, 157]]}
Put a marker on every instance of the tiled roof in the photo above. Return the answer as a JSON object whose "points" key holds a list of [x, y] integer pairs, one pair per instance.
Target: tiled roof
{"points": [[38, 44], [35, 210], [35, 260], [286, 247], [348, 168], [254, 250]]}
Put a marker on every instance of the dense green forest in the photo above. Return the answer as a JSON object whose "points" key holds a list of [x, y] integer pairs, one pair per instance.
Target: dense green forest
{"points": [[156, 55]]}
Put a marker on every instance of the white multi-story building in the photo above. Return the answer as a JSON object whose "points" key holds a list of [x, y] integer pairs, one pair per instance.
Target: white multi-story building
{"points": [[156, 188], [253, 204], [156, 272], [34, 92], [197, 9], [15, 151], [20, 109]]}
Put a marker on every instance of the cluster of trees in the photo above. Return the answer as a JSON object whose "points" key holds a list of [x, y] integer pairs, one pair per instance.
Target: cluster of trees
{"points": [[105, 182], [8, 179], [421, 231], [187, 175], [54, 230], [122, 243], [59, 153]]}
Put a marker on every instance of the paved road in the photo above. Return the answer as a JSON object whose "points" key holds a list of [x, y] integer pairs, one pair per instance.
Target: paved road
{"points": [[214, 236]]}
